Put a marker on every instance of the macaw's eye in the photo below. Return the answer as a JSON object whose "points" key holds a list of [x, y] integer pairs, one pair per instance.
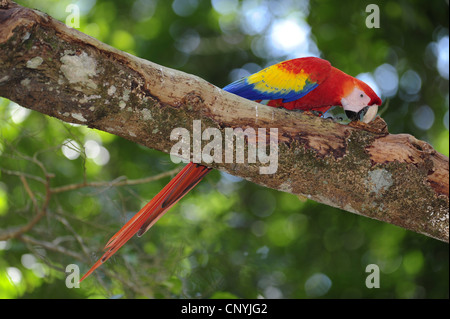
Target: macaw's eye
{"points": [[361, 96]]}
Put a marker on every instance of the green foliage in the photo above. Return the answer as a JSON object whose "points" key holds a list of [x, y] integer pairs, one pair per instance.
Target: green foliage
{"points": [[228, 238]]}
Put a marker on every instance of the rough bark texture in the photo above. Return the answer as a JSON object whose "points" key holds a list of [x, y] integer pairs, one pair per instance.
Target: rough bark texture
{"points": [[50, 68]]}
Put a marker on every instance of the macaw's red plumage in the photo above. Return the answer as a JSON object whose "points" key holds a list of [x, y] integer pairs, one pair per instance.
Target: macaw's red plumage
{"points": [[304, 84], [182, 183], [307, 84]]}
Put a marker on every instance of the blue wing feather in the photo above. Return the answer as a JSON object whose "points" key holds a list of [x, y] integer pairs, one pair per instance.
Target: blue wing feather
{"points": [[288, 81], [246, 90]]}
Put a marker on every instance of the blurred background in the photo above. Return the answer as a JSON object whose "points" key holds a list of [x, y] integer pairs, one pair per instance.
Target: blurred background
{"points": [[228, 237]]}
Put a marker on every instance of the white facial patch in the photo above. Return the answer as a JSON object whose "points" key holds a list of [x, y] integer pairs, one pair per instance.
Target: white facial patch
{"points": [[355, 101]]}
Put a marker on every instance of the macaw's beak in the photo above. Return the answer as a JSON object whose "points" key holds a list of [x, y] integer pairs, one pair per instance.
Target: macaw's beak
{"points": [[353, 116], [370, 113], [366, 115]]}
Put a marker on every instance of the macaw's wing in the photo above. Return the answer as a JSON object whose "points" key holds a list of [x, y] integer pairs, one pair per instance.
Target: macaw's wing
{"points": [[288, 80]]}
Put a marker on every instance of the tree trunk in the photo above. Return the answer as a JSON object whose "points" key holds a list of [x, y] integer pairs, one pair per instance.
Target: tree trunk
{"points": [[360, 168]]}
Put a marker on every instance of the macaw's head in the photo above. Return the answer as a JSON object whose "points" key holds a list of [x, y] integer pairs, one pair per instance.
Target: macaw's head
{"points": [[360, 100]]}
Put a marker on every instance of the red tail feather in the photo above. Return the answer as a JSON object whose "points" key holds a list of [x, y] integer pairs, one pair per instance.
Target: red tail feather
{"points": [[179, 186]]}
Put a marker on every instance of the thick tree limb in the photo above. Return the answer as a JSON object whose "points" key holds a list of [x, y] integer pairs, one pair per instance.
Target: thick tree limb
{"points": [[363, 169]]}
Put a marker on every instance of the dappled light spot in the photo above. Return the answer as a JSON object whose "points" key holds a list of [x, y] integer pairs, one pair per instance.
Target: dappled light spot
{"points": [[317, 285], [3, 201], [123, 40], [413, 262], [423, 117], [386, 78], [18, 113], [188, 41], [91, 148], [411, 82], [103, 157], [14, 275], [143, 9], [255, 18], [287, 34], [184, 8], [225, 6], [71, 149], [442, 55]]}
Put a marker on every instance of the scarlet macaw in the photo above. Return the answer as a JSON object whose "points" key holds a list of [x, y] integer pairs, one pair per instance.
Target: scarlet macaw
{"points": [[309, 84]]}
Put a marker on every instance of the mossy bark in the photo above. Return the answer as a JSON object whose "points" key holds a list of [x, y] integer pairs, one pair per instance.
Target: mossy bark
{"points": [[58, 71]]}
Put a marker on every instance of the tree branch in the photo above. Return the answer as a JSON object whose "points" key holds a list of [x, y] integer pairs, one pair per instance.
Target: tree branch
{"points": [[58, 71], [115, 183], [40, 211]]}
